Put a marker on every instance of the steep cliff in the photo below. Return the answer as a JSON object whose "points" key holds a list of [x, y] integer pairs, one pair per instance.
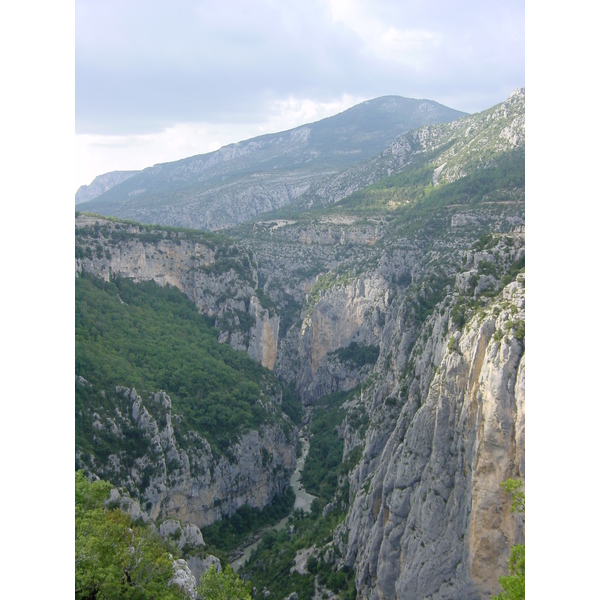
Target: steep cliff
{"points": [[210, 270], [177, 474], [428, 517]]}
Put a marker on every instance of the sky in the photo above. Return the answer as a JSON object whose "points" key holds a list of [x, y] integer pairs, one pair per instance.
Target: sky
{"points": [[156, 81]]}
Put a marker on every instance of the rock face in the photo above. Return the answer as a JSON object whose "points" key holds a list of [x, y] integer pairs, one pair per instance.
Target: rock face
{"points": [[221, 285], [342, 314], [186, 572], [429, 519], [184, 578], [189, 483], [189, 535]]}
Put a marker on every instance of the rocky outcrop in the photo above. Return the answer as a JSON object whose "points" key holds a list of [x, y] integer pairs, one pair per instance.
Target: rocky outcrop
{"points": [[188, 536], [184, 578], [186, 479], [186, 571]]}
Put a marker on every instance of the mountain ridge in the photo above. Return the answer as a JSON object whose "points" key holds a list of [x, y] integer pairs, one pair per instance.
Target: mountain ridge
{"points": [[212, 190]]}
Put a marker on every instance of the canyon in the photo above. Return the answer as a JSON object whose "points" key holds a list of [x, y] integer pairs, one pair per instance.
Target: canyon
{"points": [[396, 284]]}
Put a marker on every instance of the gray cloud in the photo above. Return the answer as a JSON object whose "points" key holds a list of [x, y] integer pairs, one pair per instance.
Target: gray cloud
{"points": [[141, 66]]}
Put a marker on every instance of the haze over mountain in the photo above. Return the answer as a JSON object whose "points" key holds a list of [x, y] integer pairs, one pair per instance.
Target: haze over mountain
{"points": [[233, 184]]}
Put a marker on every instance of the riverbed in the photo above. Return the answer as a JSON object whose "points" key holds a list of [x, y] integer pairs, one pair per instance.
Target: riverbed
{"points": [[303, 502]]}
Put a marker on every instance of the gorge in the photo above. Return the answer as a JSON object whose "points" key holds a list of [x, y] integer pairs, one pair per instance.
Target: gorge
{"points": [[381, 308]]}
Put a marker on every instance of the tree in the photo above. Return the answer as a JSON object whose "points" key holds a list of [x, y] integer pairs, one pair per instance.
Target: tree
{"points": [[225, 585], [114, 557], [513, 584], [514, 488]]}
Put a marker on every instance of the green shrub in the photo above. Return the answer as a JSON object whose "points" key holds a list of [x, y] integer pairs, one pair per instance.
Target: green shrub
{"points": [[357, 355], [452, 344]]}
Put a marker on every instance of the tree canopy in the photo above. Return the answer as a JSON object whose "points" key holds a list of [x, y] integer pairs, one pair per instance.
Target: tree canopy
{"points": [[114, 557], [225, 585]]}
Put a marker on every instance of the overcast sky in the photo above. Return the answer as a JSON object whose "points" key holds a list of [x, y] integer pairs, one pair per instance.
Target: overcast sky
{"points": [[157, 81]]}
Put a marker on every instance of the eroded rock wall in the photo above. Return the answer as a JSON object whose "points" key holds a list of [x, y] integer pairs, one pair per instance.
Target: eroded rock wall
{"points": [[185, 479], [428, 517]]}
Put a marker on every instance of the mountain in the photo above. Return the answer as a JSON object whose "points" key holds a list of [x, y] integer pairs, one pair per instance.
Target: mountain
{"points": [[101, 184], [454, 149], [229, 186], [390, 299]]}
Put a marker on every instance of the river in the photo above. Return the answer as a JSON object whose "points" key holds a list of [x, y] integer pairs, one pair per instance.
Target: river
{"points": [[303, 501]]}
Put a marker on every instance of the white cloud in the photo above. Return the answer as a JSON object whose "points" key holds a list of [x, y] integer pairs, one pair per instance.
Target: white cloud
{"points": [[412, 47], [291, 112]]}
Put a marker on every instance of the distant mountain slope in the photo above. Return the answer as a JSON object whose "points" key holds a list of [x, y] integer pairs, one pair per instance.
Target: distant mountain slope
{"points": [[452, 150], [239, 181], [102, 184]]}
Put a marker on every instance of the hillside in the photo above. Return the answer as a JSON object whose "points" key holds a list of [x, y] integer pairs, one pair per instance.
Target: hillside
{"points": [[232, 185], [391, 300]]}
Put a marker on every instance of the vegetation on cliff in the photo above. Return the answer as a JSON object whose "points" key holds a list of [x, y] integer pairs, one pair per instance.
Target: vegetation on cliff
{"points": [[115, 557], [300, 558], [153, 338], [513, 584]]}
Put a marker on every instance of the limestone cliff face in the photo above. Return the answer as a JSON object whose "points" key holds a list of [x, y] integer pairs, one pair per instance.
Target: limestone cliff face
{"points": [[344, 313], [221, 285], [429, 519], [179, 475]]}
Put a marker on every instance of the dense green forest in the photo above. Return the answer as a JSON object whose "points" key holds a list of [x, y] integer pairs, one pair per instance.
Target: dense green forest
{"points": [[153, 338]]}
